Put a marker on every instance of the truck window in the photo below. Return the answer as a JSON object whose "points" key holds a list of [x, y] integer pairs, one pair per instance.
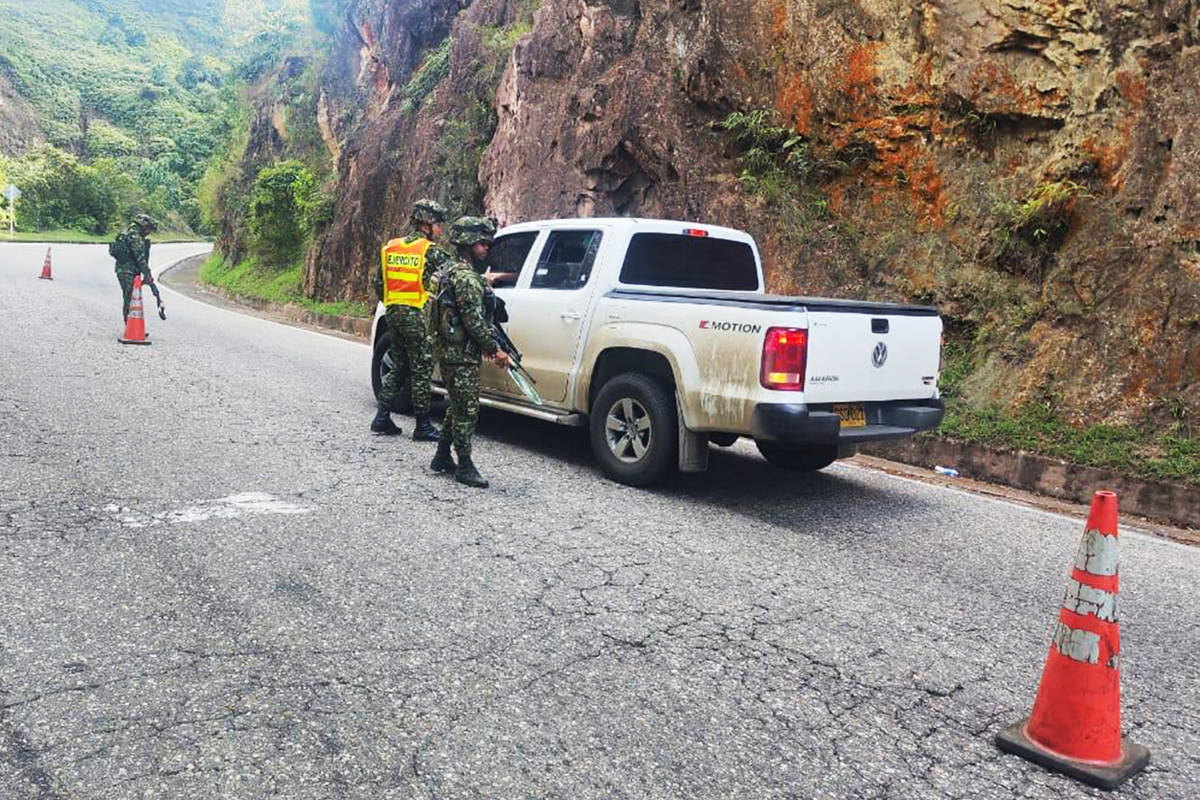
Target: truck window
{"points": [[567, 260], [507, 255], [690, 262]]}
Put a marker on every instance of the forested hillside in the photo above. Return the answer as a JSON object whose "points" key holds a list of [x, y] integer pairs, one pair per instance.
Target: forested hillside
{"points": [[113, 106]]}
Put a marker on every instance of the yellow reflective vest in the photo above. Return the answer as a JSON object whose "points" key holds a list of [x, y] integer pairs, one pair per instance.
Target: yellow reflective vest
{"points": [[404, 272]]}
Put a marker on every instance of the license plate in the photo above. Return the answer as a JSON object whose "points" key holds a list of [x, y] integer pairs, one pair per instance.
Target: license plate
{"points": [[851, 416]]}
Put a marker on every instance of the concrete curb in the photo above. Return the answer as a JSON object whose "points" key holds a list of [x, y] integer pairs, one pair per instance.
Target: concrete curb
{"points": [[1169, 502]]}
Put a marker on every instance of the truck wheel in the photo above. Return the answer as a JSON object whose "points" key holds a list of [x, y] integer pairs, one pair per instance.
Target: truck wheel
{"points": [[381, 365], [635, 433], [798, 459]]}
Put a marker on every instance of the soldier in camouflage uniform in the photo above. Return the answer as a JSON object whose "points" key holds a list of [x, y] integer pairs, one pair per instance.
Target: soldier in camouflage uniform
{"points": [[463, 335], [411, 348], [132, 252]]}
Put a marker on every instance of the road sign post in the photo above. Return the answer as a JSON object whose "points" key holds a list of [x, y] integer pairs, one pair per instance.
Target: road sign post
{"points": [[13, 194]]}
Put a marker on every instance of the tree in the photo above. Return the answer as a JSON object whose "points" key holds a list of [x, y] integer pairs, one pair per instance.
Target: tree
{"points": [[4, 210], [278, 212]]}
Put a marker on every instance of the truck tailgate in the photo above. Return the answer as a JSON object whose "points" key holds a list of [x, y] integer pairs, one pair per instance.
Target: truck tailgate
{"points": [[875, 356]]}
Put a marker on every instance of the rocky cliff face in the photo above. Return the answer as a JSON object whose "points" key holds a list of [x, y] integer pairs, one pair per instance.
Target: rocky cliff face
{"points": [[1032, 167], [19, 128]]}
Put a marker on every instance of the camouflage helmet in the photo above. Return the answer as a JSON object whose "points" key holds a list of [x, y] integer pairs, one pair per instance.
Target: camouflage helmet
{"points": [[467, 231], [144, 221], [428, 212]]}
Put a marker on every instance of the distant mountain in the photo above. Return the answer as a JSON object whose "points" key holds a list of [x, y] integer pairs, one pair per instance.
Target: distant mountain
{"points": [[120, 77]]}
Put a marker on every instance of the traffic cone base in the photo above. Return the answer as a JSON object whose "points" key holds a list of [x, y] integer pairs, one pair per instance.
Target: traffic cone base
{"points": [[1134, 758]]}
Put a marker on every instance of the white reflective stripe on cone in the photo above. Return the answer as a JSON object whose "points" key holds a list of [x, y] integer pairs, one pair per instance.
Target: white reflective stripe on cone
{"points": [[1083, 599], [1077, 645], [1098, 554]]}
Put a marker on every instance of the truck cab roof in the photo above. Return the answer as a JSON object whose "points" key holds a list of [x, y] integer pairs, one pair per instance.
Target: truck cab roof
{"points": [[632, 225]]}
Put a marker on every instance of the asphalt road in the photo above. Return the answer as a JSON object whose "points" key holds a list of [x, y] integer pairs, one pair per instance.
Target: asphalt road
{"points": [[214, 583]]}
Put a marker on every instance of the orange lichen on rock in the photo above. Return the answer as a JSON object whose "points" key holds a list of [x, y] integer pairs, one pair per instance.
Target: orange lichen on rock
{"points": [[1133, 89], [857, 79], [836, 198], [780, 29], [794, 100], [1110, 157], [994, 90], [909, 166]]}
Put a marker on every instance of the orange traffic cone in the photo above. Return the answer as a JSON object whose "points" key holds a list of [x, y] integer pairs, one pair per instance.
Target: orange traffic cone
{"points": [[1075, 727], [135, 325], [46, 268]]}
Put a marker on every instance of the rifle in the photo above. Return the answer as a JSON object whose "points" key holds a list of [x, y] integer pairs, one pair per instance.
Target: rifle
{"points": [[498, 310], [521, 377], [162, 311]]}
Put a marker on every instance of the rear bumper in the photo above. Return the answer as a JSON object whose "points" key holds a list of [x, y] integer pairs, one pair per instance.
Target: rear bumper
{"points": [[799, 424]]}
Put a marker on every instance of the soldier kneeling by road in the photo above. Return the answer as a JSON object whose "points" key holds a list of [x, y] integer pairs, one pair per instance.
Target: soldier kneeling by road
{"points": [[463, 327], [403, 283]]}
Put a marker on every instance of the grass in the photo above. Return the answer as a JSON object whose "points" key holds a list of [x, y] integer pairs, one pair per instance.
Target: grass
{"points": [[1145, 450], [77, 237], [251, 280]]}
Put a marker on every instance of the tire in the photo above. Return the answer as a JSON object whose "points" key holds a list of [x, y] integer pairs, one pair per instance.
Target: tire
{"points": [[381, 365], [798, 459], [649, 451], [723, 439]]}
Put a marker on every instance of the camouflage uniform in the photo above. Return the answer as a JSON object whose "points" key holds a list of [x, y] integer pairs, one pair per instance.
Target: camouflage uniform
{"points": [[411, 345], [462, 337], [133, 260]]}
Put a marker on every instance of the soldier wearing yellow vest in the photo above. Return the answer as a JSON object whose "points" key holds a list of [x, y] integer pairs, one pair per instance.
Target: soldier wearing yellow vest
{"points": [[406, 266]]}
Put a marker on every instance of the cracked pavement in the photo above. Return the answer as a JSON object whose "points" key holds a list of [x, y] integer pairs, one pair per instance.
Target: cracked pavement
{"points": [[214, 583]]}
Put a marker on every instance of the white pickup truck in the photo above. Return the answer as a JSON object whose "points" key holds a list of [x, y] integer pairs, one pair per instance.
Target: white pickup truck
{"points": [[658, 336]]}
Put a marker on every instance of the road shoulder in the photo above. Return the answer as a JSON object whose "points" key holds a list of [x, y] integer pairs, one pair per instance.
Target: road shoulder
{"points": [[183, 277]]}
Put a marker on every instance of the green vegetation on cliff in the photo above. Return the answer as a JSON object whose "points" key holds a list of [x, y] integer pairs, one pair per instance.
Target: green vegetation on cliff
{"points": [[267, 189], [251, 280]]}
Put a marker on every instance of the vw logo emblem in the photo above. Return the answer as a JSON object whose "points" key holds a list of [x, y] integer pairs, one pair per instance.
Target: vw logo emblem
{"points": [[879, 357]]}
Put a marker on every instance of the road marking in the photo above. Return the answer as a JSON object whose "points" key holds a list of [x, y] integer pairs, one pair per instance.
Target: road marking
{"points": [[232, 507]]}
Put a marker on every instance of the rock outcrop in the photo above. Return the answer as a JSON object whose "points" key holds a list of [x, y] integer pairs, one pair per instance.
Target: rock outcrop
{"points": [[19, 128], [1032, 167]]}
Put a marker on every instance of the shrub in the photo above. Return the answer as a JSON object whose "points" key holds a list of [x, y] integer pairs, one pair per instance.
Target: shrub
{"points": [[279, 203]]}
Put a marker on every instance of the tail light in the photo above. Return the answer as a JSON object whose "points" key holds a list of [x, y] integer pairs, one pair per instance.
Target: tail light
{"points": [[785, 357]]}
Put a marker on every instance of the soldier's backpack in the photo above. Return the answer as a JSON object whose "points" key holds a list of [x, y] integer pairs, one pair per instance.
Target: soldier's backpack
{"points": [[119, 249]]}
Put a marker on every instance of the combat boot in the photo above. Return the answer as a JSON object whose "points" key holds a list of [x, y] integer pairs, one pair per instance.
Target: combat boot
{"points": [[468, 475], [443, 462], [383, 425], [426, 431]]}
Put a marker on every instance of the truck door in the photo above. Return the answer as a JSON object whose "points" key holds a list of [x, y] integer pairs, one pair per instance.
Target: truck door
{"points": [[549, 309], [506, 258]]}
